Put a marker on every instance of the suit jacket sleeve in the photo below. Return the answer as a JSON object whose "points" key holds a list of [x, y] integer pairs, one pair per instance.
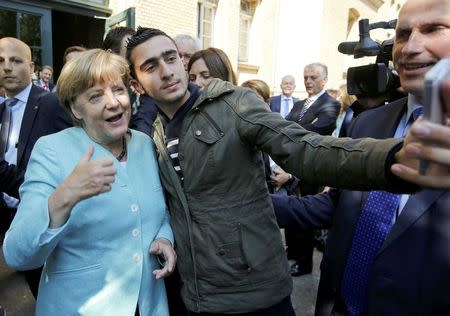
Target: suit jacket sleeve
{"points": [[324, 122], [307, 212], [11, 178]]}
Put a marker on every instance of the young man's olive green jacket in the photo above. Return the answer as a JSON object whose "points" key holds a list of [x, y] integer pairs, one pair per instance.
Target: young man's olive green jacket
{"points": [[230, 254]]}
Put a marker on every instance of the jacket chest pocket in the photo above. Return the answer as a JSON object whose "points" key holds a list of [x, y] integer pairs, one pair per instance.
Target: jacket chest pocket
{"points": [[202, 149], [206, 129]]}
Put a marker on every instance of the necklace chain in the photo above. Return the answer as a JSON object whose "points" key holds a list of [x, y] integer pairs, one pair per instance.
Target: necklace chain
{"points": [[124, 149]]}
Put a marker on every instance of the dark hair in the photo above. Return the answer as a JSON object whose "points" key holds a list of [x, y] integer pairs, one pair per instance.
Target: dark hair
{"points": [[218, 63], [72, 49], [142, 35], [113, 39]]}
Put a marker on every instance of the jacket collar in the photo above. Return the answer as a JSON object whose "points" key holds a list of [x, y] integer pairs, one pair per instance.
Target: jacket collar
{"points": [[215, 89]]}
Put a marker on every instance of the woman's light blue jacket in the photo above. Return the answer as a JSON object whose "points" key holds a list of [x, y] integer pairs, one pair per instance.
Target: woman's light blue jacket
{"points": [[98, 263]]}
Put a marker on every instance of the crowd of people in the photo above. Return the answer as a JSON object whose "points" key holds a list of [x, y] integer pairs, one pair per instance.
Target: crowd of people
{"points": [[147, 182]]}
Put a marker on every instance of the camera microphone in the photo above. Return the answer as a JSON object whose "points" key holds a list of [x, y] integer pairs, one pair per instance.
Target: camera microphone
{"points": [[347, 48]]}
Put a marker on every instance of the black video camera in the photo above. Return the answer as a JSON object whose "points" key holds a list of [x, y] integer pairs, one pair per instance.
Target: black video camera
{"points": [[374, 79]]}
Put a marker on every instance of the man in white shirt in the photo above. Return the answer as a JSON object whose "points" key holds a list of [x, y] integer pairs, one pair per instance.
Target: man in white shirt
{"points": [[284, 102], [27, 114]]}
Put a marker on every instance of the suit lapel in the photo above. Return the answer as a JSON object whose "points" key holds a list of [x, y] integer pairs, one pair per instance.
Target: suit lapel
{"points": [[312, 110], [391, 117], [29, 115], [416, 206], [2, 107], [279, 104], [417, 203]]}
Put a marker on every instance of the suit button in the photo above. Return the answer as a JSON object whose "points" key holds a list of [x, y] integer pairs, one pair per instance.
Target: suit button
{"points": [[198, 133], [135, 232], [136, 257], [221, 252], [180, 156], [134, 207]]}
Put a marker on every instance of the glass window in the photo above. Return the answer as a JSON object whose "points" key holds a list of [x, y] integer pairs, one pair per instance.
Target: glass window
{"points": [[206, 14], [24, 26], [30, 28], [245, 22], [7, 23]]}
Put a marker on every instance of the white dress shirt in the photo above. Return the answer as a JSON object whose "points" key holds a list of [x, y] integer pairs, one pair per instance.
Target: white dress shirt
{"points": [[402, 128], [285, 110], [17, 112]]}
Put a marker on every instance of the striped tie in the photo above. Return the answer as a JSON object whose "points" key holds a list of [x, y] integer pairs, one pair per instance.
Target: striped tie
{"points": [[6, 125], [305, 108]]}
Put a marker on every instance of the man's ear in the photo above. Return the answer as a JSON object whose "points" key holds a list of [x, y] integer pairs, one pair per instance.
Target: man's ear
{"points": [[137, 86], [31, 67]]}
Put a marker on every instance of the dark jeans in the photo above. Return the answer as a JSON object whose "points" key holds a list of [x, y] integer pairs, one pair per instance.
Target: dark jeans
{"points": [[284, 308]]}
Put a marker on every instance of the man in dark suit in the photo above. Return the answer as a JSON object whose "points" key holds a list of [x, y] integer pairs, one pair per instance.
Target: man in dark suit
{"points": [[408, 271], [317, 113], [45, 77], [284, 102], [30, 112]]}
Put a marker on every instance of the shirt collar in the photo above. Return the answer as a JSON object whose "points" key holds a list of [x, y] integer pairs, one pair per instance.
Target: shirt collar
{"points": [[316, 96], [23, 95], [413, 104], [286, 97]]}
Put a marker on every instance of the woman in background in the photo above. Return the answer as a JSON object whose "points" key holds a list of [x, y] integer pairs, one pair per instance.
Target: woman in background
{"points": [[345, 113], [92, 208], [210, 63], [260, 87]]}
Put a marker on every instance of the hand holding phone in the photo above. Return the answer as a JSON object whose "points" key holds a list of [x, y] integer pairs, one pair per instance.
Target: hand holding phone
{"points": [[433, 107]]}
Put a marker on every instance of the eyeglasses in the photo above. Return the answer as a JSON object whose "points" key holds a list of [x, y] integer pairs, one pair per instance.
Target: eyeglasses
{"points": [[185, 56]]}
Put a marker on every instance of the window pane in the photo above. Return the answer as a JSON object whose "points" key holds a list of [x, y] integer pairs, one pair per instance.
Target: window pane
{"points": [[36, 55], [208, 14], [30, 29], [245, 7], [206, 42], [7, 23], [206, 29]]}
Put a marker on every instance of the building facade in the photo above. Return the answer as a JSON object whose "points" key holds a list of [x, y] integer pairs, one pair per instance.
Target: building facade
{"points": [[265, 39]]}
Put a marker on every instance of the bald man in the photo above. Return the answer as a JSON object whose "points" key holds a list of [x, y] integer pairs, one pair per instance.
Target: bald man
{"points": [[284, 102], [30, 112]]}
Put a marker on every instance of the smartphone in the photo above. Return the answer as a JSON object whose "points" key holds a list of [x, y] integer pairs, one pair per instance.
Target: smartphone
{"points": [[433, 108]]}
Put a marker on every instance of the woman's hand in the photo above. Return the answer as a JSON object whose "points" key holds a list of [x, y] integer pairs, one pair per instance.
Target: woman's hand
{"points": [[163, 247], [88, 178]]}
